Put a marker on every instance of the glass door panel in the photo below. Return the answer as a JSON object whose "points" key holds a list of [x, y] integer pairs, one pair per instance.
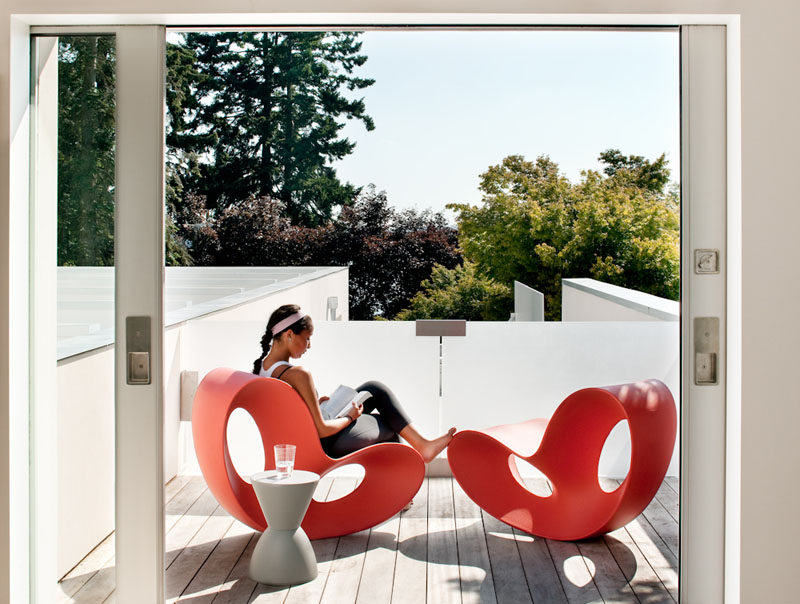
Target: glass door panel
{"points": [[73, 234]]}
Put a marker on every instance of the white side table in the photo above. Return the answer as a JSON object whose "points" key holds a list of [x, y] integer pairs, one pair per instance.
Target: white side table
{"points": [[283, 554]]}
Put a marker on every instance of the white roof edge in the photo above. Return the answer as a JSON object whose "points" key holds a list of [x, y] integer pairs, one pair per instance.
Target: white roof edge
{"points": [[73, 346], [655, 306]]}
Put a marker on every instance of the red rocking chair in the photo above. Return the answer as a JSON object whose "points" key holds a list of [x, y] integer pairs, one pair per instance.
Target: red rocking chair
{"points": [[567, 450], [393, 471]]}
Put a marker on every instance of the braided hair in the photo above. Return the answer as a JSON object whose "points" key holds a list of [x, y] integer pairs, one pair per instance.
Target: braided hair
{"points": [[278, 315]]}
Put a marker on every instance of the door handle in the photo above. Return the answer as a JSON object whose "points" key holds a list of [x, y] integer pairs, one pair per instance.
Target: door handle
{"points": [[137, 340], [706, 351]]}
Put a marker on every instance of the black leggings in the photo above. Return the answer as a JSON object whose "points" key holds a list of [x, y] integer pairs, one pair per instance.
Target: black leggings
{"points": [[382, 420]]}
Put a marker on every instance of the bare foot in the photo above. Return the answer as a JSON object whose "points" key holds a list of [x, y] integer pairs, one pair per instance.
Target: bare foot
{"points": [[430, 449]]}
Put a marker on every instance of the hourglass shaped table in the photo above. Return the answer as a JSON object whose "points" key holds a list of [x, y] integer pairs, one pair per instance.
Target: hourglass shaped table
{"points": [[283, 554]]}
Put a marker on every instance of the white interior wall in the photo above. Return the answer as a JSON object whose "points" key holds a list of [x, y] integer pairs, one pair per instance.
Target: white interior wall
{"points": [[769, 131]]}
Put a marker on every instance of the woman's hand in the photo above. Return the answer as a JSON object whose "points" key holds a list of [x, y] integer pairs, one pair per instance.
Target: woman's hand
{"points": [[354, 411], [322, 399]]}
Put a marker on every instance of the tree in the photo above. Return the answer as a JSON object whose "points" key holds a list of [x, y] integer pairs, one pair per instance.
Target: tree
{"points": [[459, 293], [86, 106], [182, 161], [651, 176], [271, 111], [388, 253], [537, 227]]}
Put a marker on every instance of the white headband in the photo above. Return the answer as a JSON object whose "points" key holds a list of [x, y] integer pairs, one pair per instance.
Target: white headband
{"points": [[290, 320]]}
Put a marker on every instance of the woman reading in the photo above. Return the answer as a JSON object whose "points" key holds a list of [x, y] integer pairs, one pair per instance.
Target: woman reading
{"points": [[380, 419]]}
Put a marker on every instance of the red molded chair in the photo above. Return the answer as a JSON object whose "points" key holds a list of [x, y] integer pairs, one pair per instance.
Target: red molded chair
{"points": [[567, 450], [393, 471]]}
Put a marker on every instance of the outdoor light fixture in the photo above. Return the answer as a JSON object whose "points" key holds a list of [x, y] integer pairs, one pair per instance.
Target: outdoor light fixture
{"points": [[333, 304]]}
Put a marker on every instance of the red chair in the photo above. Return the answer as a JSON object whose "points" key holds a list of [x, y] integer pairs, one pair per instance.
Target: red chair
{"points": [[393, 471], [567, 450]]}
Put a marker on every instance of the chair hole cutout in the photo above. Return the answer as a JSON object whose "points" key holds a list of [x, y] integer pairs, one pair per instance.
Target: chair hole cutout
{"points": [[615, 458], [533, 478], [339, 483], [244, 444]]}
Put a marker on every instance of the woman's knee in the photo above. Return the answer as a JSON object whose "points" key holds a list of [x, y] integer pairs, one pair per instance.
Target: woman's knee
{"points": [[374, 386]]}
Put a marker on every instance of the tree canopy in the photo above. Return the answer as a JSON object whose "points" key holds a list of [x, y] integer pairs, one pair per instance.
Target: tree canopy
{"points": [[459, 293], [389, 253], [262, 114], [535, 226]]}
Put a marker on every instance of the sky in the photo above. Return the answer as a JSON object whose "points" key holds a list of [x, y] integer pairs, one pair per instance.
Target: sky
{"points": [[449, 104]]}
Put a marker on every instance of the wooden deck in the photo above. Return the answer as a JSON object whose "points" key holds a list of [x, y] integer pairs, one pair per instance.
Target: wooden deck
{"points": [[442, 550]]}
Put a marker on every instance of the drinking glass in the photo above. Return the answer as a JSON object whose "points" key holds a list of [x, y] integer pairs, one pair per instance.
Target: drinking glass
{"points": [[284, 460]]}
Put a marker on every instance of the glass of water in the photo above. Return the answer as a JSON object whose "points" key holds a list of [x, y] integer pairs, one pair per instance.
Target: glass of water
{"points": [[284, 460]]}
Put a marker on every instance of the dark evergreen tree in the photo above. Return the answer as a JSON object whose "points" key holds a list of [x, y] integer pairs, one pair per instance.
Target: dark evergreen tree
{"points": [[86, 106], [183, 152], [272, 107]]}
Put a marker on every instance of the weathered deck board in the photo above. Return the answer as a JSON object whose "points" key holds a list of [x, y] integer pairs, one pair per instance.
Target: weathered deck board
{"points": [[637, 570], [475, 569], [238, 587], [92, 580], [607, 575], [574, 573], [100, 557], [669, 499], [543, 579], [510, 582], [193, 557], [184, 530], [443, 549], [665, 525], [213, 573], [377, 576], [410, 569], [444, 583], [348, 561]]}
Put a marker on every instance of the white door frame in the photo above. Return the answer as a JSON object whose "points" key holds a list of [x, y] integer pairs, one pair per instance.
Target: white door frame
{"points": [[725, 495], [704, 226]]}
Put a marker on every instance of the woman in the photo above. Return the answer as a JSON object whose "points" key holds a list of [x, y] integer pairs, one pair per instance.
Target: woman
{"points": [[380, 419]]}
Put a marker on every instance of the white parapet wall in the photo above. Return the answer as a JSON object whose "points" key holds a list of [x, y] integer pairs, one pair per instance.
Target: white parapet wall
{"points": [[592, 300], [86, 371], [500, 372]]}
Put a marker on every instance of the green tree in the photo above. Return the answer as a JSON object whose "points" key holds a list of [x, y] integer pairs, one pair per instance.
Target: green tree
{"points": [[459, 293], [273, 105], [86, 106], [535, 226]]}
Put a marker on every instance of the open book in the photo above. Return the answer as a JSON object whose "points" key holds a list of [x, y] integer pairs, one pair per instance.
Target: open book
{"points": [[339, 403]]}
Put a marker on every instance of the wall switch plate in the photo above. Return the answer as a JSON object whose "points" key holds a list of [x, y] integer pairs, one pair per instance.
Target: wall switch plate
{"points": [[706, 262]]}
